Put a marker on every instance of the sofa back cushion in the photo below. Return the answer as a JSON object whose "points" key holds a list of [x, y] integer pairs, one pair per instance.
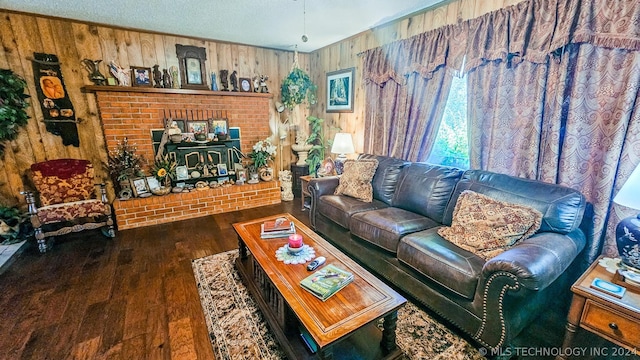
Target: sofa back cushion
{"points": [[562, 208], [425, 189], [386, 176]]}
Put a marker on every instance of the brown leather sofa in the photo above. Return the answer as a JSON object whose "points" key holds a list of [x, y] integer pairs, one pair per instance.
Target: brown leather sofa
{"points": [[395, 236]]}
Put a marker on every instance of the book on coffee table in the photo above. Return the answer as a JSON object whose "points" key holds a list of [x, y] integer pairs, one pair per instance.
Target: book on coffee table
{"points": [[279, 224], [326, 281], [291, 229]]}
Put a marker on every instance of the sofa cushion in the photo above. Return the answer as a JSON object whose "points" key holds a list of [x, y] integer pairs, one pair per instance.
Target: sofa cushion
{"points": [[425, 189], [486, 226], [356, 179], [385, 227], [562, 208], [386, 176], [443, 262], [339, 208]]}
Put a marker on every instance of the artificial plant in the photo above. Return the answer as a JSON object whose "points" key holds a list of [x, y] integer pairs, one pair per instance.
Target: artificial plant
{"points": [[296, 88], [14, 225], [13, 102]]}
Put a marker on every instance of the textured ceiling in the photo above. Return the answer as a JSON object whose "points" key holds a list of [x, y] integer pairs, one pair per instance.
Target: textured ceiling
{"points": [[275, 24]]}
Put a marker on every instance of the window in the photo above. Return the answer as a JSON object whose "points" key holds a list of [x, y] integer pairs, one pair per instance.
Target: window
{"points": [[452, 146]]}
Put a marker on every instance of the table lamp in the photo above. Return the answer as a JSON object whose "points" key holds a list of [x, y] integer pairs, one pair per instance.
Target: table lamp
{"points": [[342, 145], [628, 230]]}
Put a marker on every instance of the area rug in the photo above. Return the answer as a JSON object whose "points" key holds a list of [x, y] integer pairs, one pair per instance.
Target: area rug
{"points": [[238, 331]]}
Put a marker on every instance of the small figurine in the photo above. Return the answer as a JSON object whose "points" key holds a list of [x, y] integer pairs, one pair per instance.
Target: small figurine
{"points": [[157, 76], [285, 177], [234, 80], [256, 83], [94, 72], [175, 80], [167, 81], [224, 79], [214, 83], [263, 84], [120, 73]]}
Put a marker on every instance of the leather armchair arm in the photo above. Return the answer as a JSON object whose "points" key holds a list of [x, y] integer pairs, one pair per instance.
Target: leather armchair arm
{"points": [[318, 187], [539, 260]]}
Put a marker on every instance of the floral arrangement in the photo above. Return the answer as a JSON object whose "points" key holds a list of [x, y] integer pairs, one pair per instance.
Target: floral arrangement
{"points": [[124, 163], [263, 152], [164, 170], [297, 87]]}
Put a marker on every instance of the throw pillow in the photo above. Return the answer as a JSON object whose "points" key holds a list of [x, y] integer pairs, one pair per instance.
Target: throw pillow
{"points": [[356, 179], [488, 227]]}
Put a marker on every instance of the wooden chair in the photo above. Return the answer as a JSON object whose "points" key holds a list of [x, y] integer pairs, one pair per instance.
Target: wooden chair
{"points": [[68, 201]]}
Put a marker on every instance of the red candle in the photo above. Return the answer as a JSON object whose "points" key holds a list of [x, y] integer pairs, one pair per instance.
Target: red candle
{"points": [[295, 240]]}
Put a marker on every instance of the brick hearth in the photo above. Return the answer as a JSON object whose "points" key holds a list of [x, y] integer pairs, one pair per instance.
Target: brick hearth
{"points": [[134, 112]]}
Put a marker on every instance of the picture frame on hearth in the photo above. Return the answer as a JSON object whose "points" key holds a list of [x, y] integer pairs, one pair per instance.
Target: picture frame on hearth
{"points": [[340, 88], [217, 126], [222, 170], [152, 182], [198, 127], [182, 173], [191, 60], [141, 76], [139, 186]]}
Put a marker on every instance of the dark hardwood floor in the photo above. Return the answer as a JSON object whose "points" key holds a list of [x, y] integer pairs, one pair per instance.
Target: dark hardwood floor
{"points": [[132, 297], [135, 297]]}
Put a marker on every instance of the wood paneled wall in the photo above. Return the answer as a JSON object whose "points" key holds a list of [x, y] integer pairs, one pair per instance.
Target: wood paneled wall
{"points": [[344, 54], [23, 34]]}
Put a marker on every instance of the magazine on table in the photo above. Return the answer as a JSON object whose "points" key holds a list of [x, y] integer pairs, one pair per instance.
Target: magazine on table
{"points": [[326, 281], [279, 233]]}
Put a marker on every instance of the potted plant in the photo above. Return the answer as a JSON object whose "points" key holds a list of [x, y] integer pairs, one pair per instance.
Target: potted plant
{"points": [[124, 163], [318, 143], [14, 225], [164, 170], [263, 152], [13, 101], [296, 88]]}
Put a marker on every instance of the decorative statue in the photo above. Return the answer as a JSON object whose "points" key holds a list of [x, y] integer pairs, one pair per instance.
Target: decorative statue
{"points": [[256, 83], [286, 184], [263, 84], [94, 72], [224, 79], [157, 76], [120, 73], [234, 80], [167, 81], [175, 79], [214, 83]]}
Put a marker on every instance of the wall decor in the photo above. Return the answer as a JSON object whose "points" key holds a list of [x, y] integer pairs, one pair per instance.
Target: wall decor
{"points": [[192, 66], [245, 84], [57, 109], [340, 87], [92, 67], [141, 76]]}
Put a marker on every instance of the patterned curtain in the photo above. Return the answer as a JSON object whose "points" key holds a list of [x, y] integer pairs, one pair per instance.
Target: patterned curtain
{"points": [[406, 85]]}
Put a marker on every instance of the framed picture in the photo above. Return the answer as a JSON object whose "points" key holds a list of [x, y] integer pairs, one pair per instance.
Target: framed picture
{"points": [[241, 175], [182, 173], [141, 76], [192, 70], [245, 84], [153, 182], [219, 126], [139, 186], [197, 127], [340, 85], [222, 170]]}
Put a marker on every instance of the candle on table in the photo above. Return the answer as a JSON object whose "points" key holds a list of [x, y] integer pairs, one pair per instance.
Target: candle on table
{"points": [[295, 240]]}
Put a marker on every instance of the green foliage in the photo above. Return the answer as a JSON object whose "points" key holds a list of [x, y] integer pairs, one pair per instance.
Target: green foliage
{"points": [[14, 225], [316, 138], [124, 163], [296, 88], [263, 152], [12, 105]]}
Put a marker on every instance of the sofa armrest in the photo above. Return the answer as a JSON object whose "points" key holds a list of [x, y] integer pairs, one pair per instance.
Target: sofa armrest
{"points": [[539, 260], [318, 187]]}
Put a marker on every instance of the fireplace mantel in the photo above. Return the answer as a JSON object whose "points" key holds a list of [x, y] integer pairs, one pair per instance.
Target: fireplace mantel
{"points": [[133, 89]]}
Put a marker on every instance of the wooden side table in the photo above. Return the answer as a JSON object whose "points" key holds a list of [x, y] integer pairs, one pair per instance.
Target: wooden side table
{"points": [[614, 319], [304, 192]]}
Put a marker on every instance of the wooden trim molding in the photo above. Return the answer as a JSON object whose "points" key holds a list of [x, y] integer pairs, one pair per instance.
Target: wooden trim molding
{"points": [[95, 88]]}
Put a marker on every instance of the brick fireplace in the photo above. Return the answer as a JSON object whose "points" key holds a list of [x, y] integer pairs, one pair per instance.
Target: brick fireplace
{"points": [[135, 112]]}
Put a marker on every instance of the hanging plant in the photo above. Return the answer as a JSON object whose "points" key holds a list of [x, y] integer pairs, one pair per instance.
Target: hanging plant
{"points": [[296, 88], [12, 104]]}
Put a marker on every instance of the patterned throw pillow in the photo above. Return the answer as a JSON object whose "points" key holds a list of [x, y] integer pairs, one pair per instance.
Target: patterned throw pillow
{"points": [[356, 179], [488, 227]]}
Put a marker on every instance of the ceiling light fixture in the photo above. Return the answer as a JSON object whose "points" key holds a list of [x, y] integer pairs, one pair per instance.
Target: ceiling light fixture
{"points": [[305, 38]]}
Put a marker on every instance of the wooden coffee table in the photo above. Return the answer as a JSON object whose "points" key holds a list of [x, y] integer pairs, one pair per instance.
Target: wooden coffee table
{"points": [[344, 326]]}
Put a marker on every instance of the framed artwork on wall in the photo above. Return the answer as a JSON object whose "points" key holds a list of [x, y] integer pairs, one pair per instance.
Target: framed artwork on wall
{"points": [[192, 66], [141, 76], [340, 87]]}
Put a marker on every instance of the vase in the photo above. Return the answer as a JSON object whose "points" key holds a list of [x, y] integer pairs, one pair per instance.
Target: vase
{"points": [[627, 236], [302, 150], [266, 173]]}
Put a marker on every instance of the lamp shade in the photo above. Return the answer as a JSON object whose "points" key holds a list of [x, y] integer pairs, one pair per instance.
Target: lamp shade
{"points": [[342, 144], [629, 194]]}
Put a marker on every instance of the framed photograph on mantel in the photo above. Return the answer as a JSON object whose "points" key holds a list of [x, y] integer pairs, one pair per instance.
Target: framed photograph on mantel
{"points": [[340, 86], [192, 67], [141, 76]]}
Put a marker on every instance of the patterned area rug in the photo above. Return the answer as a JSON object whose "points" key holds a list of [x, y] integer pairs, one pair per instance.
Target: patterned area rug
{"points": [[238, 331]]}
